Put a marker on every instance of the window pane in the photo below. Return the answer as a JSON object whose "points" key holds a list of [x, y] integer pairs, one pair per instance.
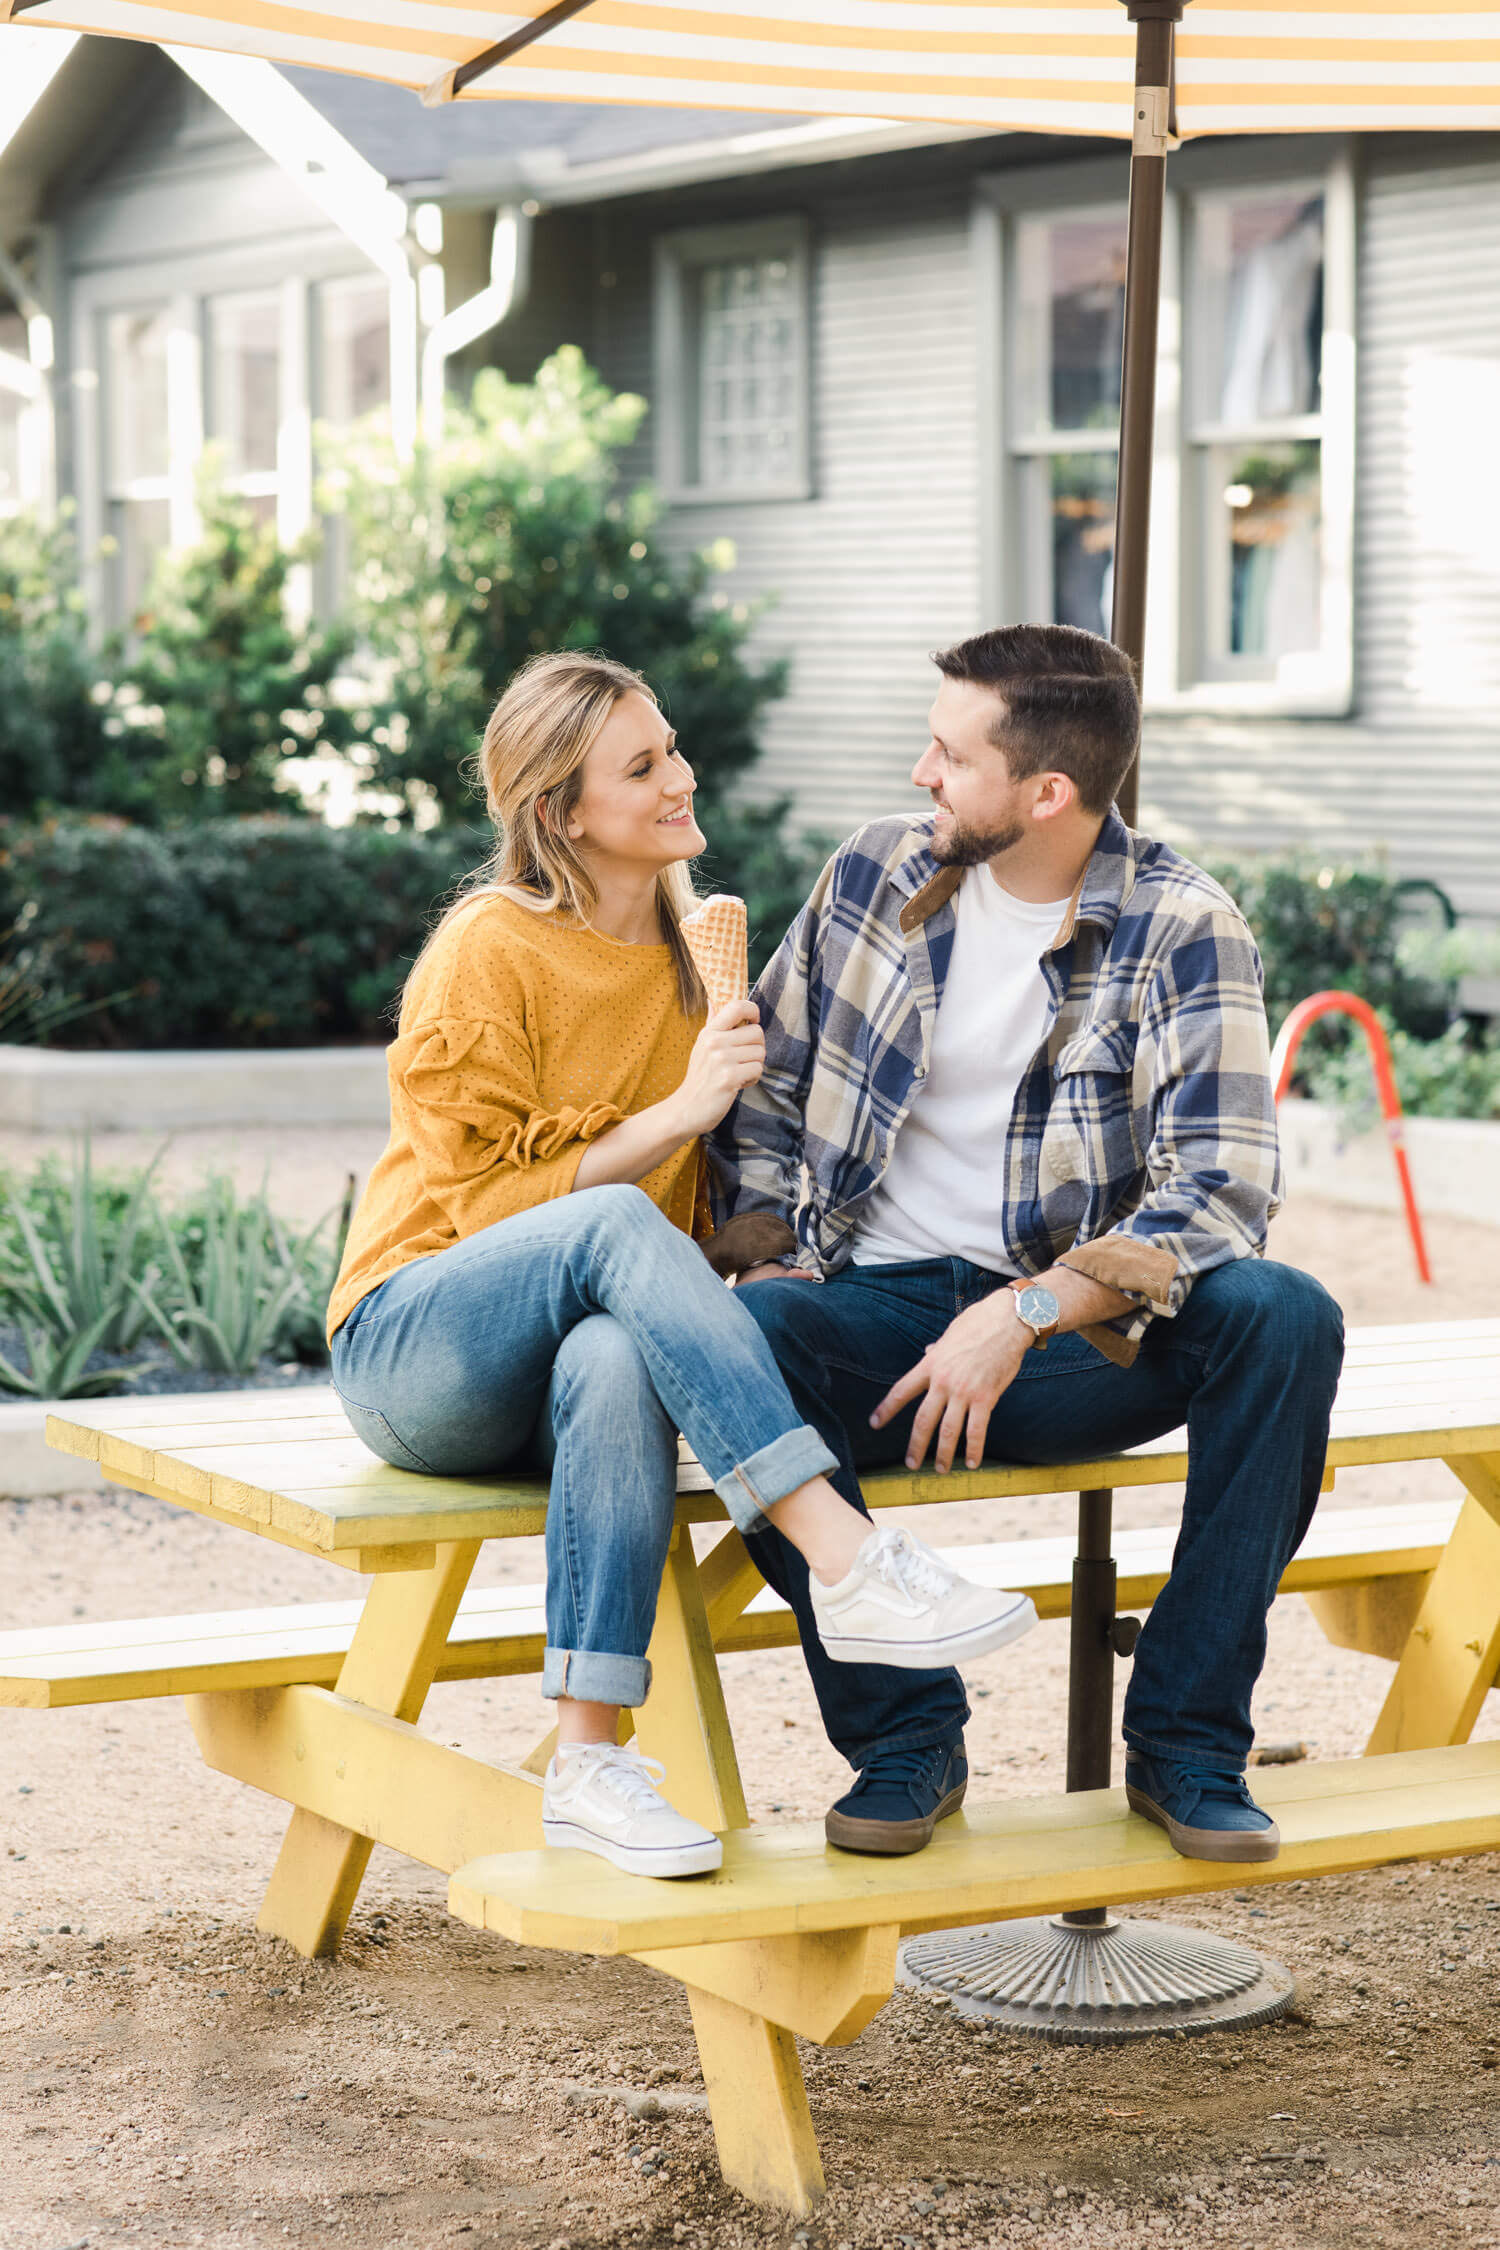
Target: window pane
{"points": [[141, 529], [246, 344], [1273, 511], [1071, 320], [1081, 503], [1261, 305], [748, 379], [135, 376], [356, 350]]}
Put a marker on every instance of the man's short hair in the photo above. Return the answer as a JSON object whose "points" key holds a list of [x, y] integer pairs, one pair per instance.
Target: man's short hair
{"points": [[1070, 703]]}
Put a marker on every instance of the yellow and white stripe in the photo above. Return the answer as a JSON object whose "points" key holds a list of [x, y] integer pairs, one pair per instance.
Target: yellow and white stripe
{"points": [[1244, 66]]}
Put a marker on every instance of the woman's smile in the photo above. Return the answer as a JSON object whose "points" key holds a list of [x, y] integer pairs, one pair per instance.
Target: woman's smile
{"points": [[678, 819]]}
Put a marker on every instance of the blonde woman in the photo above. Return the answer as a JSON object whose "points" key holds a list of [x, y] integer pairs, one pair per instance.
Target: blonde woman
{"points": [[522, 1282]]}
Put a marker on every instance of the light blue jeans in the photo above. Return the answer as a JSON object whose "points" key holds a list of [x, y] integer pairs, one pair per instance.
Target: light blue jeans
{"points": [[580, 1337]]}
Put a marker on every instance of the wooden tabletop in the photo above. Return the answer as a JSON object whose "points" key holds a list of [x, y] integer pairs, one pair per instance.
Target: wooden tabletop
{"points": [[285, 1464]]}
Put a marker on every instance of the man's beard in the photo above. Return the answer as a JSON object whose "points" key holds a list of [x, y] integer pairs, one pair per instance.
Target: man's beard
{"points": [[967, 847]]}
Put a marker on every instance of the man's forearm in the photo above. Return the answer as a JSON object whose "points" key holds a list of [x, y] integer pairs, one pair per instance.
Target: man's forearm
{"points": [[1082, 1302]]}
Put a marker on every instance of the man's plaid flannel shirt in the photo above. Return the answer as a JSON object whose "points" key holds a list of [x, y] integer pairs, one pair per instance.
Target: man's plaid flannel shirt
{"points": [[1142, 1148]]}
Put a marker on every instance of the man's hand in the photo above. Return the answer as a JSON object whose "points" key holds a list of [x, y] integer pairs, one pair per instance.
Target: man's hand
{"points": [[775, 1272], [969, 1368]]}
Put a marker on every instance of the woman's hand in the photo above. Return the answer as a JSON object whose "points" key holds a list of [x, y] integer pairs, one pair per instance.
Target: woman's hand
{"points": [[728, 1055]]}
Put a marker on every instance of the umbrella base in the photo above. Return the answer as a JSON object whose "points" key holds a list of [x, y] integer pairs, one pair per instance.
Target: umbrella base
{"points": [[1081, 1984]]}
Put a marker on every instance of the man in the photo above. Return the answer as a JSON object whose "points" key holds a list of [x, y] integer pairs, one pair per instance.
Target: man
{"points": [[1017, 1106]]}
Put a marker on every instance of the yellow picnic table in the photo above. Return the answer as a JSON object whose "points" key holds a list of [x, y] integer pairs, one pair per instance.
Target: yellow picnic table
{"points": [[790, 1937]]}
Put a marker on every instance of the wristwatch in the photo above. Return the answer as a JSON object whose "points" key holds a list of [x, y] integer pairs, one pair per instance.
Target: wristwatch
{"points": [[1038, 1308]]}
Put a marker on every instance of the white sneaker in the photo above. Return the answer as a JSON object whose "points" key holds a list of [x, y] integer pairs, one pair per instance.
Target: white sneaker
{"points": [[902, 1605], [603, 1798]]}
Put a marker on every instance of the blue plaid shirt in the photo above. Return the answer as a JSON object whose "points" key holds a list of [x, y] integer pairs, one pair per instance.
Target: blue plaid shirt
{"points": [[1142, 1147]]}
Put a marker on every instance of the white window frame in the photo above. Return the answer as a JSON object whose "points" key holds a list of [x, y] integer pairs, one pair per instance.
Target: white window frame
{"points": [[186, 287], [676, 257], [1174, 680]]}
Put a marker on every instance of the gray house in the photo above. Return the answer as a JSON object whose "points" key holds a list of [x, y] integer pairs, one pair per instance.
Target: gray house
{"points": [[882, 360]]}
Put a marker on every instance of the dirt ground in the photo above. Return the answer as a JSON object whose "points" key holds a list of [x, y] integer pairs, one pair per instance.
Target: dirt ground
{"points": [[168, 2077]]}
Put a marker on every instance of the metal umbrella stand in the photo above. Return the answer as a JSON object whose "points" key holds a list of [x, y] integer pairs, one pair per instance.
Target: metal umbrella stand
{"points": [[1084, 1977]]}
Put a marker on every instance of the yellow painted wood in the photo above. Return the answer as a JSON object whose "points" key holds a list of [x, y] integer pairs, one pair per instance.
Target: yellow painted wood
{"points": [[1349, 1554], [828, 1987], [757, 2103], [683, 1721], [730, 1581], [1375, 1617], [367, 1774], [1028, 1856], [1450, 1660], [1481, 1478], [364, 1561], [371, 1506], [401, 1634]]}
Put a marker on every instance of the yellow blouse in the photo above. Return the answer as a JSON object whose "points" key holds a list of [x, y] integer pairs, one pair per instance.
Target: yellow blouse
{"points": [[522, 1038]]}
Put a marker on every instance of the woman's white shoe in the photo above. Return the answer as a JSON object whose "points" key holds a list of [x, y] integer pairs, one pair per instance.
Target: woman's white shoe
{"points": [[603, 1798], [902, 1605]]}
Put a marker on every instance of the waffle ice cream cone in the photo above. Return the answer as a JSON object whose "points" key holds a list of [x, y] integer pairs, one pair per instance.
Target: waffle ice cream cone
{"points": [[718, 937]]}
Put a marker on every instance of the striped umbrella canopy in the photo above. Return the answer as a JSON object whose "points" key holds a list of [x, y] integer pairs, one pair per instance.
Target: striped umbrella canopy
{"points": [[1062, 66]]}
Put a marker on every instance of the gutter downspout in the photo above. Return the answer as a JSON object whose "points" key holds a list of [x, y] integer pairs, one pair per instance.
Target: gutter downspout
{"points": [[506, 290]]}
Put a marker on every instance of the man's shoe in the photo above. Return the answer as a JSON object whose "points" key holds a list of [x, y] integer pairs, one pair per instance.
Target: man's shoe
{"points": [[898, 1800], [1206, 1815], [902, 1605], [603, 1798]]}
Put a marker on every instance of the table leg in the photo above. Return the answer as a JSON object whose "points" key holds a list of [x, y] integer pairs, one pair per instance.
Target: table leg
{"points": [[1449, 1662], [758, 2104], [683, 1721], [756, 2098], [397, 1647]]}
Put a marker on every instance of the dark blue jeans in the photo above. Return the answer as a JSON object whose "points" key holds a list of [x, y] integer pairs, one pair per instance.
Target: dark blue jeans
{"points": [[1251, 1364]]}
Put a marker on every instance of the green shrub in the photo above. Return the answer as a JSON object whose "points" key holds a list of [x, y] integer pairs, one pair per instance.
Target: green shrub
{"points": [[1456, 1075], [280, 933], [255, 933], [222, 688], [1323, 926], [512, 538], [54, 748]]}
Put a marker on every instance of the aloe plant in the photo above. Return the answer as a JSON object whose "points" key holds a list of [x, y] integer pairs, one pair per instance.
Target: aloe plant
{"points": [[70, 1282], [225, 1309]]}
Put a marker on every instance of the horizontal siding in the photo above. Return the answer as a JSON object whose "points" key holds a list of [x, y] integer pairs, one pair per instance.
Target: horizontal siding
{"points": [[1423, 803], [882, 564], [1428, 551]]}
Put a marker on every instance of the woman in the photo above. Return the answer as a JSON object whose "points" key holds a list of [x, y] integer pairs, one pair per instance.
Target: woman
{"points": [[522, 1278]]}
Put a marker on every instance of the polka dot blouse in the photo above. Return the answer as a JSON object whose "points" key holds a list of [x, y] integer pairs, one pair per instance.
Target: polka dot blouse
{"points": [[522, 1038]]}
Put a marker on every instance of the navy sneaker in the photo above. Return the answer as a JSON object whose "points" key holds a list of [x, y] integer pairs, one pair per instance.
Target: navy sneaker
{"points": [[1207, 1815], [899, 1798]]}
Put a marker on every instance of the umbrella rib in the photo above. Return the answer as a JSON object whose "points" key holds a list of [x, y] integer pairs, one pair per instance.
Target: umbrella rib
{"points": [[453, 82]]}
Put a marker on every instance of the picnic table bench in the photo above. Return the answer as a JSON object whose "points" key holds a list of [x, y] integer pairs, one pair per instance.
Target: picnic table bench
{"points": [[788, 1938]]}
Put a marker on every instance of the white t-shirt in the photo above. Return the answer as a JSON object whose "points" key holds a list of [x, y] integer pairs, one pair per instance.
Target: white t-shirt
{"points": [[942, 1194]]}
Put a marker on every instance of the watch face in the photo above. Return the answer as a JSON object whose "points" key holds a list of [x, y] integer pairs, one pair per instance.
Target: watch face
{"points": [[1038, 1307]]}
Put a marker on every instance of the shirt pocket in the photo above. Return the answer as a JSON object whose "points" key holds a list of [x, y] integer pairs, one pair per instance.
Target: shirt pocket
{"points": [[1090, 1133]]}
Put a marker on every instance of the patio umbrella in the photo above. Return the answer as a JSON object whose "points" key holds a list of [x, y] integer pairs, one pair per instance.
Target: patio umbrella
{"points": [[1100, 67]]}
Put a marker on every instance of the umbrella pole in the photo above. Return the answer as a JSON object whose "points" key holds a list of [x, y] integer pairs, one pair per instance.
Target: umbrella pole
{"points": [[1085, 1977]]}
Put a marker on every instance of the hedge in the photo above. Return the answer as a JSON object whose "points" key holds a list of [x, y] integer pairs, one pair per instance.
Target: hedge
{"points": [[277, 932]]}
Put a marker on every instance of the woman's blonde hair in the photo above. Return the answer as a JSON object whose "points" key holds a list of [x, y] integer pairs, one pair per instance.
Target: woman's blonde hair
{"points": [[539, 734]]}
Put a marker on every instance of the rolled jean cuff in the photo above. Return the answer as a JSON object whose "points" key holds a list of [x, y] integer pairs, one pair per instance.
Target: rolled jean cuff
{"points": [[593, 1676], [753, 1486]]}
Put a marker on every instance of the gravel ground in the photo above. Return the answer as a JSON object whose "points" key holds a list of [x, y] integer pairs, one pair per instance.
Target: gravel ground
{"points": [[170, 2077]]}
